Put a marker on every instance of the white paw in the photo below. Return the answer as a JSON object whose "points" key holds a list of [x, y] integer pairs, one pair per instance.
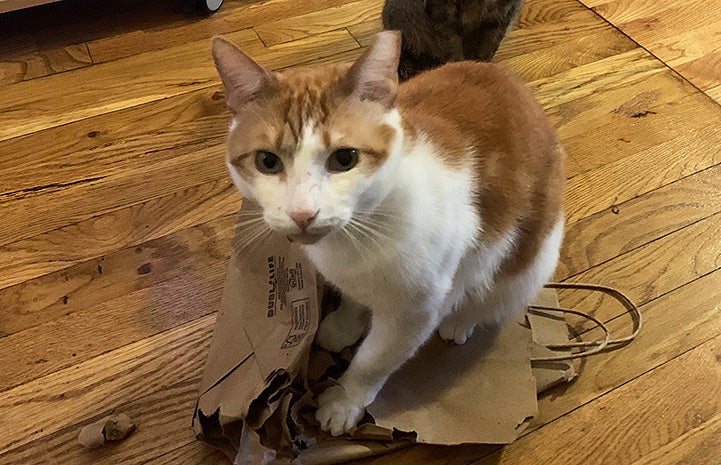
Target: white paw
{"points": [[337, 413], [456, 330], [335, 333]]}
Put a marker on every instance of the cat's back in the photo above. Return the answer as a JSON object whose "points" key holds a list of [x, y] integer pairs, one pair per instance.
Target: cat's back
{"points": [[482, 106], [482, 98], [483, 117]]}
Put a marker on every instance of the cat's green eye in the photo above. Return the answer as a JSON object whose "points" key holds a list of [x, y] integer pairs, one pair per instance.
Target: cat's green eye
{"points": [[268, 162], [342, 160]]}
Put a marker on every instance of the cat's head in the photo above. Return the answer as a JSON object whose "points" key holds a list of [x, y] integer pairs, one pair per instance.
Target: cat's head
{"points": [[313, 147]]}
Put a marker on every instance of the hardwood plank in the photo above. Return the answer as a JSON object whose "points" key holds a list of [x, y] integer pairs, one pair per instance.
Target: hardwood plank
{"points": [[112, 143], [617, 71], [539, 12], [99, 235], [343, 57], [682, 33], [702, 71], [647, 21], [47, 405], [232, 17], [651, 271], [111, 87], [79, 336], [43, 63], [318, 22], [631, 421], [715, 93], [642, 172], [675, 323], [94, 197], [624, 124], [124, 83], [546, 51], [115, 274], [630, 225], [193, 453], [364, 31], [696, 447], [163, 425]]}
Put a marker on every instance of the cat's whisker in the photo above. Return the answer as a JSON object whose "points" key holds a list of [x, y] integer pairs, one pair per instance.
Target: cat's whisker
{"points": [[353, 241], [243, 224], [367, 235], [370, 232], [381, 229], [251, 236]]}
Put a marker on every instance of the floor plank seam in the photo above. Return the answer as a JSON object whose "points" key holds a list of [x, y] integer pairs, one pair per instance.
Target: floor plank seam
{"points": [[630, 380], [87, 47], [40, 190], [625, 252], [656, 57]]}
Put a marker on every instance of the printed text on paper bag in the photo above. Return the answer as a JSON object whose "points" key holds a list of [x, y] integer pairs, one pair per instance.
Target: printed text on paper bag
{"points": [[281, 279]]}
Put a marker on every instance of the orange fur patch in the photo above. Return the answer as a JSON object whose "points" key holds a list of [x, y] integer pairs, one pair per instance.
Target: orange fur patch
{"points": [[497, 128]]}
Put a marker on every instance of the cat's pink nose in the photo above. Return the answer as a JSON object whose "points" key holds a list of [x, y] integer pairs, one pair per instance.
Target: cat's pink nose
{"points": [[303, 218]]}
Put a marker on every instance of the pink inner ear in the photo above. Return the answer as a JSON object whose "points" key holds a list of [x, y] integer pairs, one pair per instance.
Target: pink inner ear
{"points": [[244, 79], [374, 76]]}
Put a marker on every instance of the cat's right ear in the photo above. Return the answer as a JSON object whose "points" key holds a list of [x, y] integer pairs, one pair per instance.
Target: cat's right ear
{"points": [[245, 81]]}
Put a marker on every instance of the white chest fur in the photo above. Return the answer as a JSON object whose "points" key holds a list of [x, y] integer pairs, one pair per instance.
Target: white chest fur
{"points": [[422, 230]]}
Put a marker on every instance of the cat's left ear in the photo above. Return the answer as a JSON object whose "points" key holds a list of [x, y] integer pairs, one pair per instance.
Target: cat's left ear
{"points": [[374, 76], [245, 81]]}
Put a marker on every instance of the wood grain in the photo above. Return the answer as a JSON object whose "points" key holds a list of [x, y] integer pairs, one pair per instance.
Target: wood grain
{"points": [[93, 197], [110, 87], [126, 83], [30, 411], [667, 263], [318, 22], [112, 143], [685, 34], [628, 120], [43, 63], [118, 215], [693, 448], [163, 426], [715, 93], [633, 420], [637, 222], [675, 323], [364, 31], [113, 275], [642, 172], [147, 36], [92, 238]]}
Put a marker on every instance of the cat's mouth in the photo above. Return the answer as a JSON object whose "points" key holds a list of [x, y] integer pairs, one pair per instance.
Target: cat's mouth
{"points": [[306, 238]]}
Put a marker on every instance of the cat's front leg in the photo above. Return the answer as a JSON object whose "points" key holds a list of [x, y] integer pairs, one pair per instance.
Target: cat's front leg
{"points": [[342, 327], [395, 335]]}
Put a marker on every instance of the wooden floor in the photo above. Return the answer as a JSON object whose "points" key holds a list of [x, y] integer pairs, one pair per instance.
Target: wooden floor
{"points": [[116, 215]]}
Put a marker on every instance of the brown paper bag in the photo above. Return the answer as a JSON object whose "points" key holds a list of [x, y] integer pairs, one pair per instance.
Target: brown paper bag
{"points": [[256, 397]]}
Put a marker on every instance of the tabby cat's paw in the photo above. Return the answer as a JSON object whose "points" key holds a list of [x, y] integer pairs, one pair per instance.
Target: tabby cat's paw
{"points": [[456, 330], [337, 412]]}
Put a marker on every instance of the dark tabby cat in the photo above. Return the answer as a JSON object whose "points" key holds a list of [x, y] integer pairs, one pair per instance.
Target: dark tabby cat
{"points": [[435, 32]]}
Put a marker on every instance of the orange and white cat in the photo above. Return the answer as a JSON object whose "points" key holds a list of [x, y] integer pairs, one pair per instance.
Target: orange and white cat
{"points": [[434, 205]]}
